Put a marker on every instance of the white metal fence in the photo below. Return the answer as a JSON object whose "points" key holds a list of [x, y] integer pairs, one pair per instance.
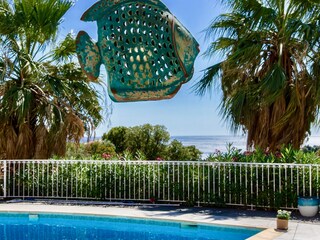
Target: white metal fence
{"points": [[202, 183]]}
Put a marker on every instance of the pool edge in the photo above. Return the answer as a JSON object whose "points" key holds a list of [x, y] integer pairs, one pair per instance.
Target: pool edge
{"points": [[267, 234]]}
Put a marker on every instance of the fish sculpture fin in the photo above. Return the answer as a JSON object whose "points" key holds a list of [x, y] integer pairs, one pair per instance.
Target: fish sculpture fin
{"points": [[97, 11], [88, 55]]}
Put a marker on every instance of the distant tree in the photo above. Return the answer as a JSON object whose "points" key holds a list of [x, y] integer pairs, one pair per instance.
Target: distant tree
{"points": [[176, 151], [100, 148], [149, 142], [45, 99], [270, 72], [117, 136], [147, 139]]}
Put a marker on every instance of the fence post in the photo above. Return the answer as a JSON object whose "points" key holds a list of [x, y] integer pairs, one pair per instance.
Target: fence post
{"points": [[4, 179]]}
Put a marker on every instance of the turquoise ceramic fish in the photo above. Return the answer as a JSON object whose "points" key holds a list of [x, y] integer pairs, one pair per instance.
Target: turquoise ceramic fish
{"points": [[147, 52]]}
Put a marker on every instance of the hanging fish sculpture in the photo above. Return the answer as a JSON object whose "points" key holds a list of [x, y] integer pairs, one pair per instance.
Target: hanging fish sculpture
{"points": [[147, 52]]}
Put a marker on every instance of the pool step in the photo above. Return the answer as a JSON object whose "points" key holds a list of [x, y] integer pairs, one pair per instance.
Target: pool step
{"points": [[188, 225], [33, 217]]}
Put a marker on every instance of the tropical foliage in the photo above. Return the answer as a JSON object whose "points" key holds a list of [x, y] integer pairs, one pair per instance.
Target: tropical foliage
{"points": [[307, 155], [45, 99], [270, 72]]}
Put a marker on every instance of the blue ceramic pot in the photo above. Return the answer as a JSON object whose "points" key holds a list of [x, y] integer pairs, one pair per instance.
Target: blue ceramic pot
{"points": [[308, 206], [308, 201]]}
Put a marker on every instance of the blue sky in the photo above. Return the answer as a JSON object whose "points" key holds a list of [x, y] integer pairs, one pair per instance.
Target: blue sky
{"points": [[186, 113]]}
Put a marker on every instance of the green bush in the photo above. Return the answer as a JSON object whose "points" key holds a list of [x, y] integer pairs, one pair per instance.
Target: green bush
{"points": [[76, 151], [117, 136], [92, 150], [176, 151], [144, 142], [105, 149], [149, 140]]}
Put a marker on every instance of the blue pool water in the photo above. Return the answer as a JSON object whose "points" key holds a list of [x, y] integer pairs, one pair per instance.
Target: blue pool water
{"points": [[70, 227]]}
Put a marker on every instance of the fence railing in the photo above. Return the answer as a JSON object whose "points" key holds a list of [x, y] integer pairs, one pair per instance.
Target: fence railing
{"points": [[191, 183]]}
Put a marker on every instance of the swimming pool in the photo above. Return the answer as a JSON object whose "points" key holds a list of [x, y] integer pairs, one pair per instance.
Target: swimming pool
{"points": [[17, 226]]}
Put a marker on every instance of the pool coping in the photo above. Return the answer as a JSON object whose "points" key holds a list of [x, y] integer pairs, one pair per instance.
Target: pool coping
{"points": [[267, 234], [135, 212]]}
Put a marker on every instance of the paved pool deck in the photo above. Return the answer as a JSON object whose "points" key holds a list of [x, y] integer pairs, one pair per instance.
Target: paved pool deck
{"points": [[299, 228]]}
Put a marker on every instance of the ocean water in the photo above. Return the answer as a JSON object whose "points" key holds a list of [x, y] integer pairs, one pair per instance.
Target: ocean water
{"points": [[210, 144]]}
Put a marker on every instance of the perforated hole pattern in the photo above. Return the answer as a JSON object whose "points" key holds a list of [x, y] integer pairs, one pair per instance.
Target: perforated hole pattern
{"points": [[140, 46]]}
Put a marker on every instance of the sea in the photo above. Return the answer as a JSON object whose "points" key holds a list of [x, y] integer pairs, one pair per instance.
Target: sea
{"points": [[210, 144]]}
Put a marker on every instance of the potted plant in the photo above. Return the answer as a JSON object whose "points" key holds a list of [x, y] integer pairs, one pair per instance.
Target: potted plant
{"points": [[283, 217], [308, 206]]}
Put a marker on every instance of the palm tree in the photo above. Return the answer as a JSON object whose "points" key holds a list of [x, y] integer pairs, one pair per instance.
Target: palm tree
{"points": [[270, 72], [45, 99]]}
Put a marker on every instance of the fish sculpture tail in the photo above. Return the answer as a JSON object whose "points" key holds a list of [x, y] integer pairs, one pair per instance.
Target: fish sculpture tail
{"points": [[88, 55]]}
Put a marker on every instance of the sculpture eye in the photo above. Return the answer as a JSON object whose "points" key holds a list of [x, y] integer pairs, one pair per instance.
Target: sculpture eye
{"points": [[179, 29]]}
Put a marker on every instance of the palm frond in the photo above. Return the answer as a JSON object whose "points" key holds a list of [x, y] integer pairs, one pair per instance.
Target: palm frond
{"points": [[207, 81], [273, 84], [66, 49]]}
